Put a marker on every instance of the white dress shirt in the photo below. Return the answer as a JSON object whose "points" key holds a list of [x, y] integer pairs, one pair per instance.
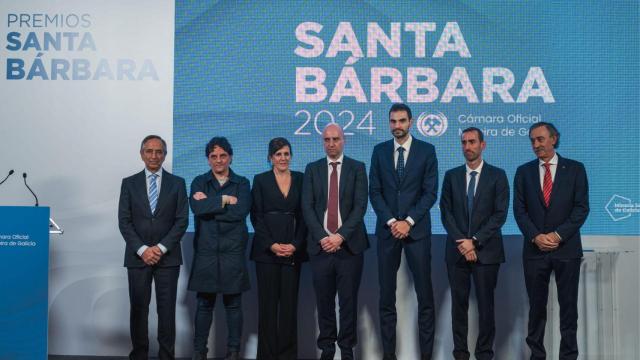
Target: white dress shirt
{"points": [[407, 149], [553, 167], [396, 153], [469, 170], [148, 173]]}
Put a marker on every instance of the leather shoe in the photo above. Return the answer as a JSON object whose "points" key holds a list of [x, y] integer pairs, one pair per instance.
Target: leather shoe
{"points": [[346, 353], [326, 355], [389, 357]]}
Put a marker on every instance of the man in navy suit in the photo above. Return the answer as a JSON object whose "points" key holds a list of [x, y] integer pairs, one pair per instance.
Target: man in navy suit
{"points": [[153, 215], [551, 202], [474, 203], [403, 186], [334, 201]]}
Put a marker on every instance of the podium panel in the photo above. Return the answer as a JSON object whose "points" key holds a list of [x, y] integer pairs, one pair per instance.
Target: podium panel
{"points": [[24, 265]]}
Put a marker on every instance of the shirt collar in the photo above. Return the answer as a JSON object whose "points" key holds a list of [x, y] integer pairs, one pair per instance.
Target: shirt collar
{"points": [[478, 169], [340, 160], [406, 145], [553, 161], [148, 173]]}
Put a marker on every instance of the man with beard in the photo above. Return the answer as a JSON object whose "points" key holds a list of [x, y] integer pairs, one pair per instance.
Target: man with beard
{"points": [[473, 204], [403, 186]]}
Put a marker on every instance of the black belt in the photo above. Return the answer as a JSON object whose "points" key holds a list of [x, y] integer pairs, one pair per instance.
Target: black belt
{"points": [[280, 213]]}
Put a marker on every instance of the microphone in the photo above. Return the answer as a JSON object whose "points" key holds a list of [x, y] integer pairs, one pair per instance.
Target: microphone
{"points": [[6, 177], [24, 176]]}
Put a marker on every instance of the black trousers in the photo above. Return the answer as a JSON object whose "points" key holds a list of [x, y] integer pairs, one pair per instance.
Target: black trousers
{"points": [[166, 284], [204, 317], [485, 278], [277, 311], [338, 273], [537, 274], [418, 257]]}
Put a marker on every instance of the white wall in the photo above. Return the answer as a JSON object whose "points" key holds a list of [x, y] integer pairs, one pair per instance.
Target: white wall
{"points": [[77, 140]]}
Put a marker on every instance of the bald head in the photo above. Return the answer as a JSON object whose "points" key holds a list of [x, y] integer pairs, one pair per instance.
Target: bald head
{"points": [[333, 139]]}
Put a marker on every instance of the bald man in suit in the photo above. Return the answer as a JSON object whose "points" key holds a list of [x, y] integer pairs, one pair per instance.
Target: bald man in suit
{"points": [[334, 201]]}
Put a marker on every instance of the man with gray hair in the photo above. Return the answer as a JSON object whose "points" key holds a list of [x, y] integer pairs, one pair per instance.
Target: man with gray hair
{"points": [[550, 204], [153, 214]]}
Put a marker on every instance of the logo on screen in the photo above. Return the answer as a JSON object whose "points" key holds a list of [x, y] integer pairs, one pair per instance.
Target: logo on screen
{"points": [[430, 125], [620, 207]]}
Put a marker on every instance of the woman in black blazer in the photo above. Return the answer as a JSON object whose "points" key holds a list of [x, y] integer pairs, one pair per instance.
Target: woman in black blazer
{"points": [[278, 250]]}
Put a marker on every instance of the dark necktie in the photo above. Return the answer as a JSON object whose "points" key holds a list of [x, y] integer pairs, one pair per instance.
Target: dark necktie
{"points": [[400, 166], [470, 194], [332, 206], [547, 184]]}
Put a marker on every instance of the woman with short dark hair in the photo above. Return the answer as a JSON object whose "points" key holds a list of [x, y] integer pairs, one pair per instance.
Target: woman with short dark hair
{"points": [[220, 200], [278, 249]]}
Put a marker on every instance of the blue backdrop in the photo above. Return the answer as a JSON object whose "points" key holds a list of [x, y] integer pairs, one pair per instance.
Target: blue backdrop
{"points": [[252, 71]]}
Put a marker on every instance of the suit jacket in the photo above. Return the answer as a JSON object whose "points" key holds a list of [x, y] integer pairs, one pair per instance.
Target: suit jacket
{"points": [[490, 207], [567, 211], [277, 219], [352, 200], [412, 196], [165, 226]]}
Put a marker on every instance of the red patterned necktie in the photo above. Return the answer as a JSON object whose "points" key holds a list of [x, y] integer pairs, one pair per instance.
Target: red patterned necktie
{"points": [[332, 206], [547, 184]]}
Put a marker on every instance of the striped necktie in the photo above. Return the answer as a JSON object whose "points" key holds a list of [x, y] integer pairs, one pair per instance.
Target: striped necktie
{"points": [[153, 192], [547, 184]]}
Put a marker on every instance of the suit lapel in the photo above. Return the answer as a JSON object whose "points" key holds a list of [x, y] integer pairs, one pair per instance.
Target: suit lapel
{"points": [[482, 184], [323, 169], [344, 173], [461, 183], [165, 188], [388, 155], [535, 170], [410, 157], [560, 179], [140, 185]]}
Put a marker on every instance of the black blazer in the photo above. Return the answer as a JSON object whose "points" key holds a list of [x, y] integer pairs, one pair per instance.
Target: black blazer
{"points": [[277, 219], [166, 226], [567, 211], [353, 204], [490, 207], [413, 196]]}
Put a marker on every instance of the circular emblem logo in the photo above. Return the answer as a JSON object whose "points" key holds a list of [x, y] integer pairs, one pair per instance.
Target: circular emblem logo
{"points": [[432, 124]]}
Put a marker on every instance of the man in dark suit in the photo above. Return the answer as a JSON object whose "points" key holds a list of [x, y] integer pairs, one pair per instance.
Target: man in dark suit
{"points": [[334, 201], [551, 202], [153, 215], [474, 203], [403, 188]]}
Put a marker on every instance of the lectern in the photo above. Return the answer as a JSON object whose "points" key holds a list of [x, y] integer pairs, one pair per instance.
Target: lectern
{"points": [[24, 266]]}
